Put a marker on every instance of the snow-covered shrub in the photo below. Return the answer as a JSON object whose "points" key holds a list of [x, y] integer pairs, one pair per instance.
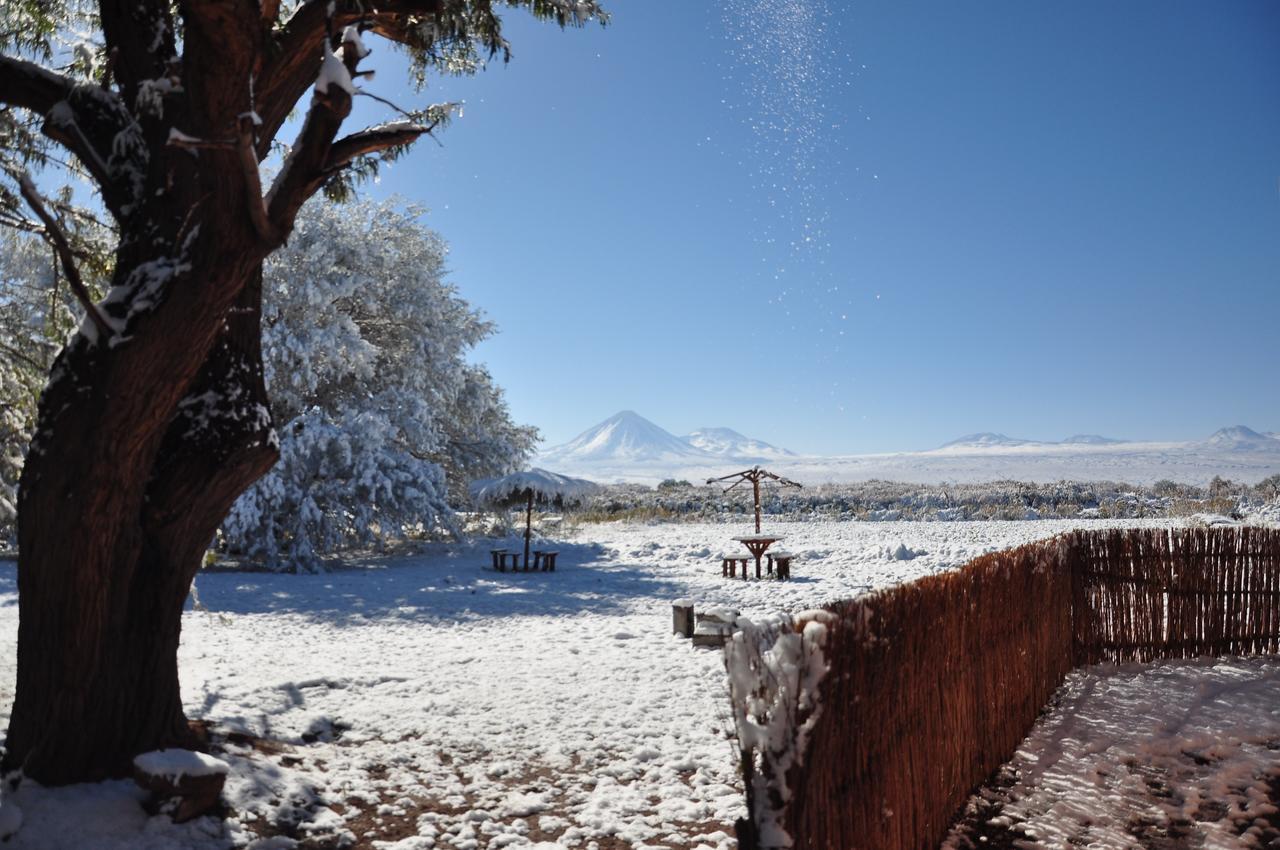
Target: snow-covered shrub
{"points": [[379, 414], [880, 501]]}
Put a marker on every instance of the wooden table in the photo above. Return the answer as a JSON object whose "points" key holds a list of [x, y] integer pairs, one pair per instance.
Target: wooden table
{"points": [[756, 544]]}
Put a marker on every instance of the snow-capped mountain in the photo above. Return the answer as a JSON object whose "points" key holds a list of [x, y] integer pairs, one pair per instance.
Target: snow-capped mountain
{"points": [[624, 437], [985, 440], [628, 439], [726, 442], [1238, 438]]}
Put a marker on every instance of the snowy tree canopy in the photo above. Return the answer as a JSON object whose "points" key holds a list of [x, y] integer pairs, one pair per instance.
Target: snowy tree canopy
{"points": [[365, 348], [35, 318]]}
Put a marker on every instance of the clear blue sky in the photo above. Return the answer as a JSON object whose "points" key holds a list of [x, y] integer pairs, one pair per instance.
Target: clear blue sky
{"points": [[1035, 218]]}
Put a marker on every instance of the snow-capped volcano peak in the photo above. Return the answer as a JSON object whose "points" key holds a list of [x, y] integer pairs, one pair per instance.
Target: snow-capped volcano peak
{"points": [[624, 436], [727, 442], [1241, 438]]}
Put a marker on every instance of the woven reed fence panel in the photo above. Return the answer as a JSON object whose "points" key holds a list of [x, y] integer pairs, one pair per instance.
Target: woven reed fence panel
{"points": [[932, 686], [1150, 594]]}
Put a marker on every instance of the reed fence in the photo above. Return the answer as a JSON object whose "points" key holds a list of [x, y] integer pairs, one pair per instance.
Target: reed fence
{"points": [[933, 684]]}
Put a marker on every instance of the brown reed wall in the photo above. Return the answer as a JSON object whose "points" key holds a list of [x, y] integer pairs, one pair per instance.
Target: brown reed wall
{"points": [[1148, 594], [933, 684]]}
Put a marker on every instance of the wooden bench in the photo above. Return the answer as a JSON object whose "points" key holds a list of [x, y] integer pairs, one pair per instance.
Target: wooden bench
{"points": [[729, 565], [500, 559], [783, 562], [544, 560]]}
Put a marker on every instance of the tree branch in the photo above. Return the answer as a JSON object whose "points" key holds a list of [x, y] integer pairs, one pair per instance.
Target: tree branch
{"points": [[53, 96], [29, 86], [304, 169], [58, 239], [248, 157], [372, 140], [286, 78]]}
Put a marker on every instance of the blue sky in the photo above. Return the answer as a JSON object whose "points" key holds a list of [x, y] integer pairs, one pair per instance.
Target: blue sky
{"points": [[1041, 219]]}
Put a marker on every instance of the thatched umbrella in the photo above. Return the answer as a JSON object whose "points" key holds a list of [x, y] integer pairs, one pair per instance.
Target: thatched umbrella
{"points": [[525, 488], [754, 476]]}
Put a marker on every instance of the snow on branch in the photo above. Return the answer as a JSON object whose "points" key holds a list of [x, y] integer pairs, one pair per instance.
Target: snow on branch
{"points": [[83, 119], [30, 86], [374, 139]]}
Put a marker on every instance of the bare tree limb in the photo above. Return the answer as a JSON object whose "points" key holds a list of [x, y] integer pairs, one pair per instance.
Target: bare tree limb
{"points": [[58, 239], [406, 113]]}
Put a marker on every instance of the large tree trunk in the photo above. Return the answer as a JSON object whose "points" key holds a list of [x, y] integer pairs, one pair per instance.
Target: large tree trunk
{"points": [[150, 428], [107, 553]]}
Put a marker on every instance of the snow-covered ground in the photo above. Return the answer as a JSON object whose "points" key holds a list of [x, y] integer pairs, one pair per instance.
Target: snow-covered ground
{"points": [[426, 701]]}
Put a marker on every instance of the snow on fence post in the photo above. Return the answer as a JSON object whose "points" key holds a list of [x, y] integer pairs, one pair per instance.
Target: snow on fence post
{"points": [[774, 668], [682, 617]]}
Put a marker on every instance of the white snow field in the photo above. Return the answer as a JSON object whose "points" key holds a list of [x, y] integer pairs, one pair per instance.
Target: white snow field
{"points": [[426, 701]]}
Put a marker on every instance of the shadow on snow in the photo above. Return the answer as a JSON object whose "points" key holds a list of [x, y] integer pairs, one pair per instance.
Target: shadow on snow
{"points": [[447, 583]]}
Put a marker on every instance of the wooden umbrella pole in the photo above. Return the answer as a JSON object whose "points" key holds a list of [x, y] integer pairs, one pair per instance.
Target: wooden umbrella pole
{"points": [[755, 486], [528, 527]]}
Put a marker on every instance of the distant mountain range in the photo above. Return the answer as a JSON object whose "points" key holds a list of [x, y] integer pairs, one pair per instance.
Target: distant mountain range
{"points": [[629, 447], [987, 440]]}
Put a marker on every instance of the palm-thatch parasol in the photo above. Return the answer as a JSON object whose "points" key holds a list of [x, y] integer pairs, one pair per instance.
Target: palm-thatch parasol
{"points": [[525, 488]]}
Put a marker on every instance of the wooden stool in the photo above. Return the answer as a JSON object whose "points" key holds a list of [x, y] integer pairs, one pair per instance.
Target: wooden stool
{"points": [[783, 560], [544, 560], [729, 565]]}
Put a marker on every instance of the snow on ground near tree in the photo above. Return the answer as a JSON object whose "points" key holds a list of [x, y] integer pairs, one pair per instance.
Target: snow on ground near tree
{"points": [[1174, 754], [425, 701]]}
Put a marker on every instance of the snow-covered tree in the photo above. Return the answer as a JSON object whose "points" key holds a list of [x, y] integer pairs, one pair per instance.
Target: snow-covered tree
{"points": [[365, 347], [35, 318], [155, 417]]}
